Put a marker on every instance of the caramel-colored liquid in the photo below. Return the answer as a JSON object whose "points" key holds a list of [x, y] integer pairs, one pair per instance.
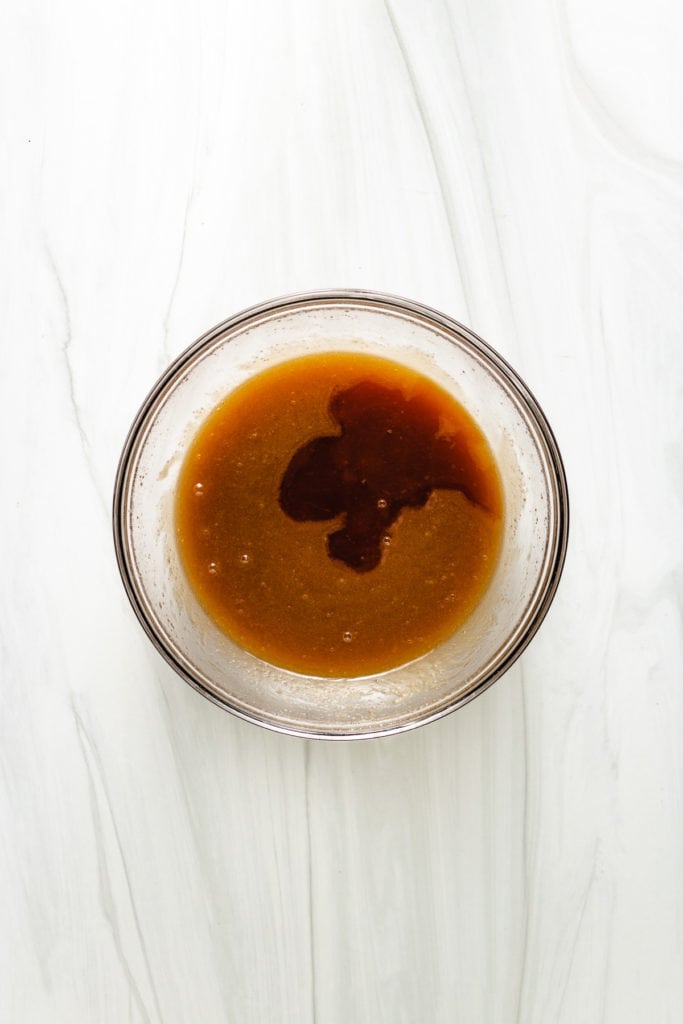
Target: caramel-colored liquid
{"points": [[339, 515]]}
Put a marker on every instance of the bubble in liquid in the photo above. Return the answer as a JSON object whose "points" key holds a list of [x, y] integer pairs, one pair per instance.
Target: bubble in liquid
{"points": [[347, 637], [382, 503], [198, 488], [213, 568], [386, 540], [244, 558]]}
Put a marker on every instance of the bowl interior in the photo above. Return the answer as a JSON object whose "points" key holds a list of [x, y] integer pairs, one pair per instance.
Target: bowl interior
{"points": [[533, 538]]}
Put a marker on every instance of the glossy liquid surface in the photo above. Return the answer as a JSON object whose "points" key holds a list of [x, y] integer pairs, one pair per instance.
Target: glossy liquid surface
{"points": [[339, 515]]}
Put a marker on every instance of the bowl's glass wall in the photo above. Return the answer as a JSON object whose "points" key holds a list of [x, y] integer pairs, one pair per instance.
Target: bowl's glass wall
{"points": [[493, 635]]}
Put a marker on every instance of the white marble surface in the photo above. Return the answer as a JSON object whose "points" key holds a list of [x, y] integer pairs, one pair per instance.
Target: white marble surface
{"points": [[516, 165]]}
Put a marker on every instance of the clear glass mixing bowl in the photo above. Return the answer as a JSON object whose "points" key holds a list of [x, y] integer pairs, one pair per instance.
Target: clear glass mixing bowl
{"points": [[534, 539]]}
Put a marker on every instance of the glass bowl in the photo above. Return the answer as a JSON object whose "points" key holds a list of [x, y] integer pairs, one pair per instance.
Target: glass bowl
{"points": [[534, 534]]}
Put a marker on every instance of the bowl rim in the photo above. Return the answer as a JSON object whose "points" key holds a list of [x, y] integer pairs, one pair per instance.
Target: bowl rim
{"points": [[557, 546]]}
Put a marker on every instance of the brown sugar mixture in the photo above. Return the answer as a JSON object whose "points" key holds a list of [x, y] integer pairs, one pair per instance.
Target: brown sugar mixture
{"points": [[339, 514]]}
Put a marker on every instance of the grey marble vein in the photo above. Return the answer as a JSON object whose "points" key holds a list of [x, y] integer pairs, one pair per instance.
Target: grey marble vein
{"points": [[179, 267], [103, 821], [311, 886], [66, 353], [616, 135], [435, 154]]}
